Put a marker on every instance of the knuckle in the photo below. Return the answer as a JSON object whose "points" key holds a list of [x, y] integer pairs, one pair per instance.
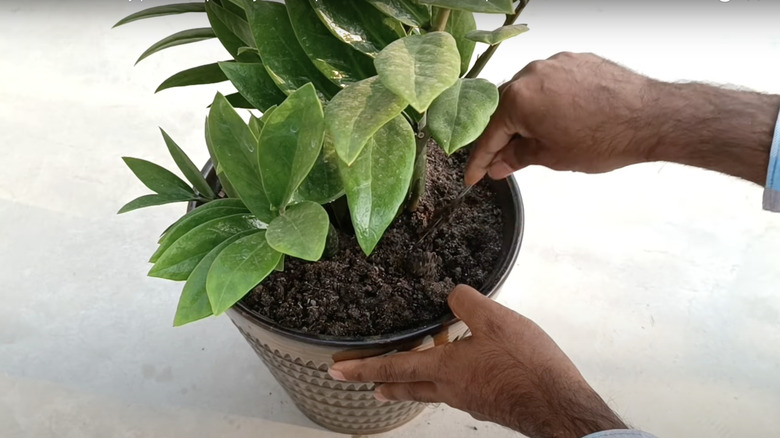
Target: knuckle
{"points": [[387, 372]]}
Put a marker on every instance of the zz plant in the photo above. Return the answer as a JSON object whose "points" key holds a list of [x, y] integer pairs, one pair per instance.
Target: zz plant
{"points": [[350, 95]]}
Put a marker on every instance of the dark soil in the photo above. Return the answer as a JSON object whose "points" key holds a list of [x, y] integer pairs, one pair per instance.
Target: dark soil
{"points": [[399, 286]]}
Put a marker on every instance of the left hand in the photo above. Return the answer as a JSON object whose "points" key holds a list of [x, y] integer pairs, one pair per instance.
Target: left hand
{"points": [[509, 372]]}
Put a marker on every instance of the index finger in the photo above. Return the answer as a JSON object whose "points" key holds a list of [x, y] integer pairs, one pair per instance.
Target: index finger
{"points": [[413, 366], [496, 136]]}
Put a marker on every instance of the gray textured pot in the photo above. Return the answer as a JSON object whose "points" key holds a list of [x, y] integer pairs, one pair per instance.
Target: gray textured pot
{"points": [[300, 361]]}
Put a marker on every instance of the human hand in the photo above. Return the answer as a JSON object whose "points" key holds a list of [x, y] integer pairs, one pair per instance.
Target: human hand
{"points": [[571, 112], [508, 371]]}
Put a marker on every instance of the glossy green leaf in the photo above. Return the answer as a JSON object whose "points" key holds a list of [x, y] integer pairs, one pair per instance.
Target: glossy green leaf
{"points": [[201, 215], [339, 62], [152, 200], [204, 74], [282, 55], [157, 178], [357, 112], [184, 37], [254, 83], [289, 144], [280, 266], [253, 50], [238, 268], [300, 231], [236, 150], [228, 39], [323, 183], [419, 67], [409, 12], [187, 167], [377, 182], [181, 258], [227, 187], [460, 114], [487, 6], [492, 37], [358, 24], [161, 11], [235, 23], [459, 25], [255, 125], [236, 100], [194, 301]]}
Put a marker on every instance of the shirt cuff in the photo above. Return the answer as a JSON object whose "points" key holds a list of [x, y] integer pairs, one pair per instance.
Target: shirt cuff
{"points": [[620, 433], [772, 190]]}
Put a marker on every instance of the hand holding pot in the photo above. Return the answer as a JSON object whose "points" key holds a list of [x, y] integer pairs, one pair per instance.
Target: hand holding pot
{"points": [[509, 372]]}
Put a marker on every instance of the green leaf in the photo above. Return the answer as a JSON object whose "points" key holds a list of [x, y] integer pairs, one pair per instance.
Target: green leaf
{"points": [[323, 183], [187, 167], [157, 178], [238, 268], [227, 187], [187, 251], [419, 67], [236, 24], [184, 37], [493, 37], [236, 100], [152, 200], [460, 24], [255, 125], [460, 114], [201, 215], [289, 144], [300, 231], [358, 24], [194, 301], [283, 57], [408, 12], [377, 182], [487, 6], [160, 11], [254, 83], [357, 112], [228, 39], [336, 60], [204, 74], [236, 150], [280, 266]]}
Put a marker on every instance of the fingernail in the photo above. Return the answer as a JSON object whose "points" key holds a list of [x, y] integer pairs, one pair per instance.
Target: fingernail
{"points": [[337, 375], [379, 396]]}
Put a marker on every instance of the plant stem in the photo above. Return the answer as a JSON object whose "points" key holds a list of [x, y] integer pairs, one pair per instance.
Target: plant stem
{"points": [[441, 19], [482, 60], [417, 187]]}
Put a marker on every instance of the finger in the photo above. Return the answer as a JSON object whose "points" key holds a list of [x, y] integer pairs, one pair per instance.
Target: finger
{"points": [[473, 308], [519, 153], [400, 367], [425, 392], [497, 134]]}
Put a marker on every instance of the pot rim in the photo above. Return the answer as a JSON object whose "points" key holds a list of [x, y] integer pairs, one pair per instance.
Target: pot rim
{"points": [[494, 282]]}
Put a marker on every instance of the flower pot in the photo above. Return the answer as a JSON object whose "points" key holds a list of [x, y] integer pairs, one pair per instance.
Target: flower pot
{"points": [[299, 361]]}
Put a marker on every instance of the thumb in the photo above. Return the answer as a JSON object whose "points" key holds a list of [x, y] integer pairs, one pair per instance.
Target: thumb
{"points": [[473, 308]]}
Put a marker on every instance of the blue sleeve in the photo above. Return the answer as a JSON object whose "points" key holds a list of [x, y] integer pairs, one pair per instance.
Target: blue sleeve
{"points": [[620, 433], [772, 190]]}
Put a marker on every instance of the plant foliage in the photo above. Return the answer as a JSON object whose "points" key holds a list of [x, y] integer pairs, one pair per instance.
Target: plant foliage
{"points": [[349, 93]]}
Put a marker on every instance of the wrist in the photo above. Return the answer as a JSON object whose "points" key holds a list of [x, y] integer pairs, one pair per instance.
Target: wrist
{"points": [[724, 130]]}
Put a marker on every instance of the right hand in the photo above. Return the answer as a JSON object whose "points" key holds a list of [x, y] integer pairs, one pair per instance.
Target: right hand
{"points": [[571, 112]]}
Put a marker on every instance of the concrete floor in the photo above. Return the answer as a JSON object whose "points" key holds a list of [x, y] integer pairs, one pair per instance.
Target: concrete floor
{"points": [[661, 282]]}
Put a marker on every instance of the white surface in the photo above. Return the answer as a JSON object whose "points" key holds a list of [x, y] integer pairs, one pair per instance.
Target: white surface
{"points": [[661, 282]]}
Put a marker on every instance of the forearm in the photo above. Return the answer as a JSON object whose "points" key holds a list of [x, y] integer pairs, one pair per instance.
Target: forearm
{"points": [[724, 130]]}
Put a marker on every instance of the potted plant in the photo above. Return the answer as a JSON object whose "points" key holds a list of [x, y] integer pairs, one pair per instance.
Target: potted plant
{"points": [[305, 225]]}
